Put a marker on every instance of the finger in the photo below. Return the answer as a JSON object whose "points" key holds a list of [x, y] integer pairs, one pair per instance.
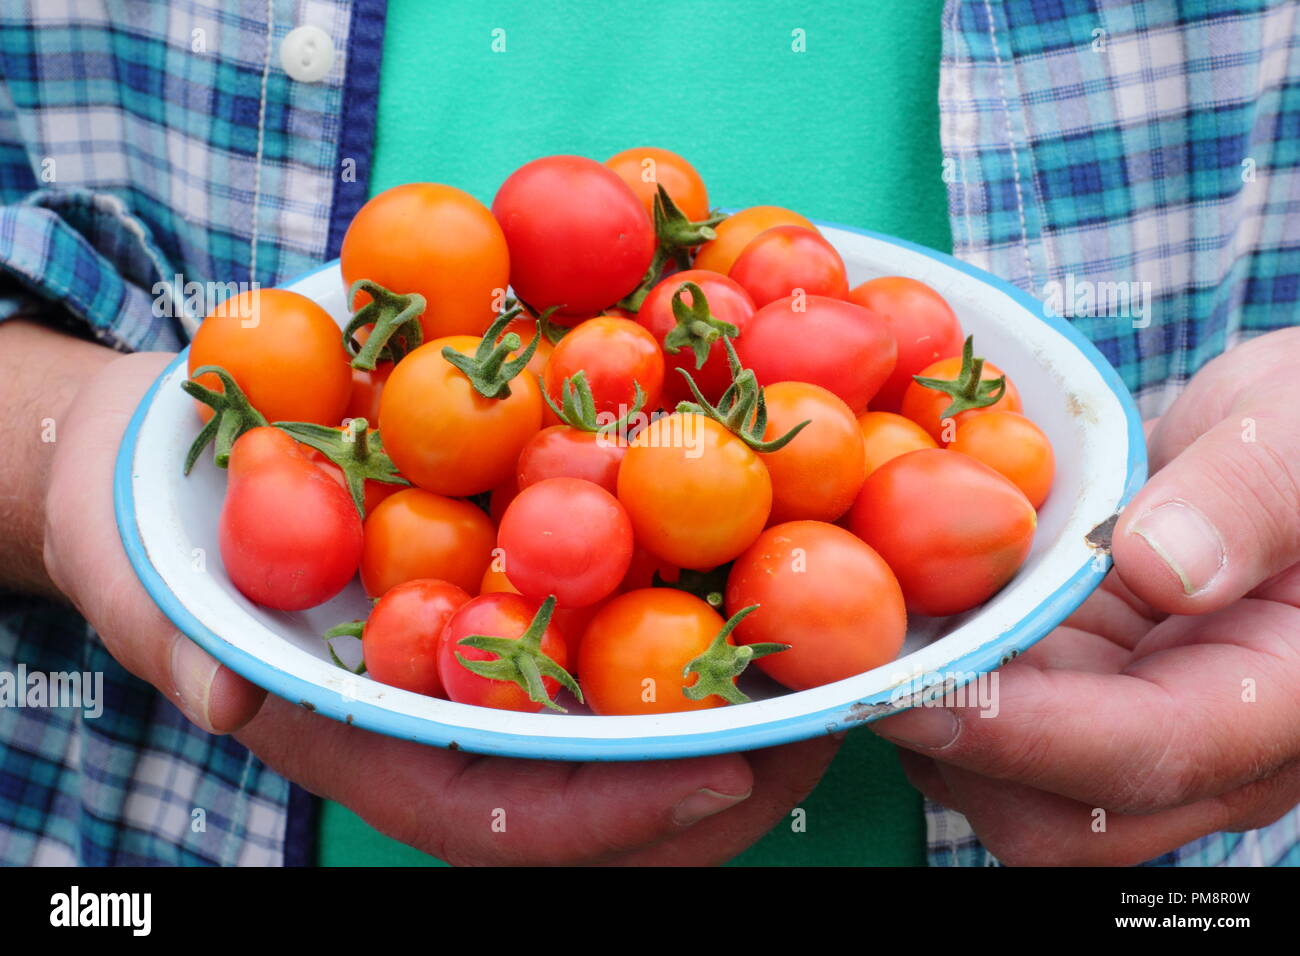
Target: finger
{"points": [[1173, 727], [488, 810], [783, 777], [1068, 648], [1221, 517], [1115, 613], [925, 774], [86, 561], [1219, 388], [1021, 826]]}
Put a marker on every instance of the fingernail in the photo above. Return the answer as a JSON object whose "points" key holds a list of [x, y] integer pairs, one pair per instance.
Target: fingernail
{"points": [[1186, 541], [923, 728], [193, 672], [705, 803]]}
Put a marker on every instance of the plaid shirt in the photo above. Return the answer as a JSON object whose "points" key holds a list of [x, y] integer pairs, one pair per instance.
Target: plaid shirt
{"points": [[1094, 141]]}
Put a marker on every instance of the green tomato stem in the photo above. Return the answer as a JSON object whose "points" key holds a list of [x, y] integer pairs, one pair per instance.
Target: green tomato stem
{"points": [[396, 325], [522, 661], [357, 451], [233, 415], [969, 389], [721, 663]]}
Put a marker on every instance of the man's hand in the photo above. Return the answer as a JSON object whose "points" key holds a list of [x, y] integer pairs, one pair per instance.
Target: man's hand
{"points": [[704, 810], [1171, 698]]}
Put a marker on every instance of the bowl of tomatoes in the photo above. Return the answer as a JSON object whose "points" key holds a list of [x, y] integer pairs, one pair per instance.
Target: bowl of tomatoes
{"points": [[633, 479]]}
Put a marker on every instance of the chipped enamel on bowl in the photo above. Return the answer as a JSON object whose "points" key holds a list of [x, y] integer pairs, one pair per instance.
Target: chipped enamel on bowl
{"points": [[1067, 387]]}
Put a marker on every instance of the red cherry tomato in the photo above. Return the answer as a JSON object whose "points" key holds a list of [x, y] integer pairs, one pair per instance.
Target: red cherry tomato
{"points": [[572, 621], [290, 537], [840, 346], [953, 530], [921, 322], [416, 534], [566, 537], [501, 497], [825, 593], [564, 452], [400, 641], [784, 259], [579, 238], [612, 354], [727, 302], [501, 615]]}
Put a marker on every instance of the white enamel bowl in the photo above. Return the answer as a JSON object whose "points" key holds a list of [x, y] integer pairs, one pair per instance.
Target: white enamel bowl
{"points": [[169, 527]]}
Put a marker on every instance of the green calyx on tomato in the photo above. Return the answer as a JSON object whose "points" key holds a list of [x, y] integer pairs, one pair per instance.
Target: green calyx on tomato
{"points": [[488, 369], [358, 452], [396, 321], [346, 629], [968, 389], [551, 331], [742, 409], [675, 236], [697, 327], [234, 415], [522, 661], [577, 407], [720, 665]]}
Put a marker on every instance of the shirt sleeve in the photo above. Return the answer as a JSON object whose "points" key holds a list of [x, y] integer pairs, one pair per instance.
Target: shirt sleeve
{"points": [[83, 253]]}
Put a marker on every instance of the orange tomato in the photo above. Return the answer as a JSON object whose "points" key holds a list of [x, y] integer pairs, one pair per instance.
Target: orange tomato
{"points": [[636, 648], [886, 435], [495, 582], [736, 232], [1013, 446], [818, 473], [926, 406], [645, 168], [435, 240], [697, 495], [417, 534], [283, 350], [446, 437]]}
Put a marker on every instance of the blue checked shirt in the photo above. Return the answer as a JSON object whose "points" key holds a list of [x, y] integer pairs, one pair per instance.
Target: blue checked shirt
{"points": [[1086, 141]]}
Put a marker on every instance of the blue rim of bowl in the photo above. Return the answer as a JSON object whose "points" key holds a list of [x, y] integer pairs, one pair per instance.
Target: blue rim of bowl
{"points": [[1035, 625]]}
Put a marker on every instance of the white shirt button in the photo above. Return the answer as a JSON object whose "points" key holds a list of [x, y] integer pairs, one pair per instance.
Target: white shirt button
{"points": [[306, 53]]}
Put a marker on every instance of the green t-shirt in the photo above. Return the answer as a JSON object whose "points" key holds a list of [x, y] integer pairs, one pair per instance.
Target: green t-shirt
{"points": [[828, 108]]}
